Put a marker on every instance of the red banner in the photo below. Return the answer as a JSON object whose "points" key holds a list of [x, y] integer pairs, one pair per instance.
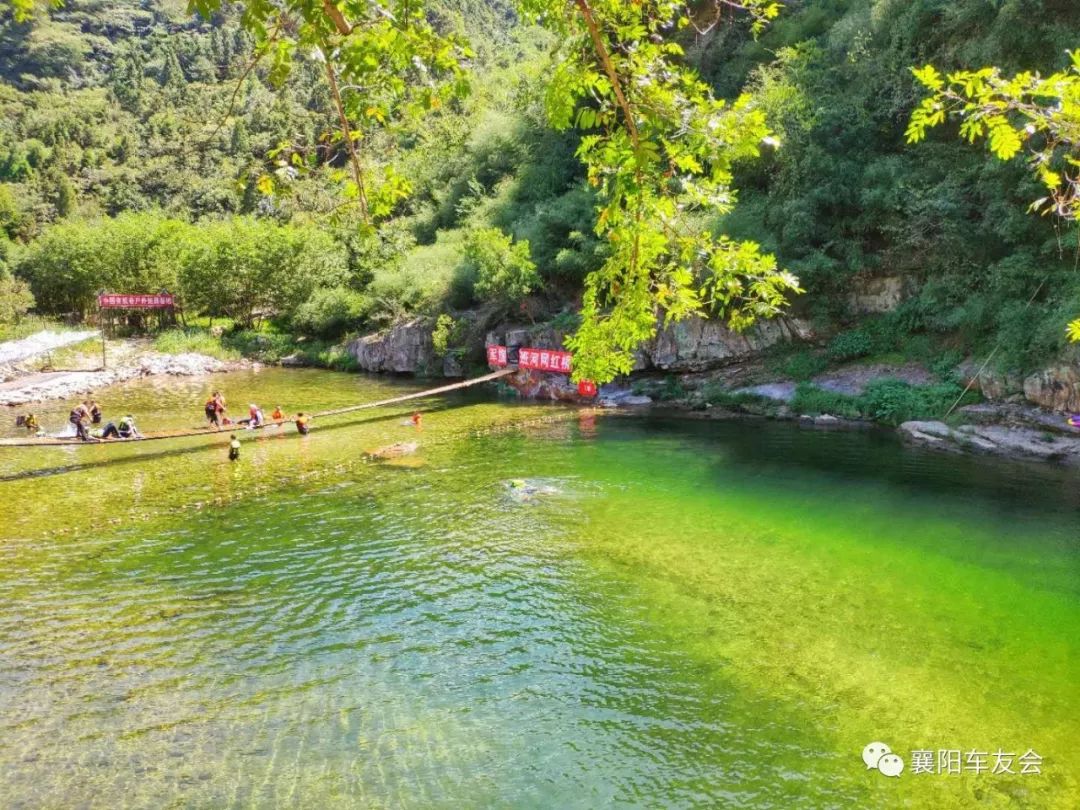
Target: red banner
{"points": [[497, 356], [545, 360], [113, 301]]}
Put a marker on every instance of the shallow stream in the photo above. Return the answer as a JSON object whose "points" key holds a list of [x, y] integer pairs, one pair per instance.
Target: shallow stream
{"points": [[539, 608]]}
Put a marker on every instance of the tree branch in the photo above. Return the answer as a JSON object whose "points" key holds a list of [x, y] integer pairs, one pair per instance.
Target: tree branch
{"points": [[609, 68], [346, 133]]}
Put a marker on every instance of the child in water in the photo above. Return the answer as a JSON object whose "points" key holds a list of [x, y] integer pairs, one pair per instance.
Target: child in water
{"points": [[234, 448], [302, 423]]}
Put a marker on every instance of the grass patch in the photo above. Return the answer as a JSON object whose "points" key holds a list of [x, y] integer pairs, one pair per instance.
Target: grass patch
{"points": [[194, 341], [890, 402]]}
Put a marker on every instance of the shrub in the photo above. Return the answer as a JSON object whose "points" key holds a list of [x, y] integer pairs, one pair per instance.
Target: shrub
{"points": [[503, 271], [428, 278], [443, 334], [895, 401], [15, 298], [330, 312], [849, 346], [802, 365]]}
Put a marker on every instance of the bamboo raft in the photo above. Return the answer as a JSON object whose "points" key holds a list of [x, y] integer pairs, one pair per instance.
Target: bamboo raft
{"points": [[33, 441]]}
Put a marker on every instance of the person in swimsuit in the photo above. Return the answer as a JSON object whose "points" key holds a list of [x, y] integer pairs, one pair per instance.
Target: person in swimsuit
{"points": [[234, 448], [302, 424], [278, 415], [94, 410]]}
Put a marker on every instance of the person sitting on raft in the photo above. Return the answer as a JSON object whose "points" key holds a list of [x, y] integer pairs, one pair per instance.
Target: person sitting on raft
{"points": [[278, 415], [302, 423], [255, 417], [29, 422], [125, 430], [94, 410], [78, 414]]}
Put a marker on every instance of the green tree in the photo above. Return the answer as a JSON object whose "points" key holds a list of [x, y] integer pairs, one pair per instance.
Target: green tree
{"points": [[1022, 113], [659, 147], [15, 298], [502, 271]]}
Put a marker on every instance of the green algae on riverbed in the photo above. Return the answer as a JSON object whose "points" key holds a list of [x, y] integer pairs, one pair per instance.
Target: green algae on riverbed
{"points": [[686, 614]]}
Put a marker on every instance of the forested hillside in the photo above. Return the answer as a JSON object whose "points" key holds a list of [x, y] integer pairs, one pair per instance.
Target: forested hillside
{"points": [[140, 148]]}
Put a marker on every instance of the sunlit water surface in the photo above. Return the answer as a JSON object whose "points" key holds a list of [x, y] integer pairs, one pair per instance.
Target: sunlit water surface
{"points": [[668, 613]]}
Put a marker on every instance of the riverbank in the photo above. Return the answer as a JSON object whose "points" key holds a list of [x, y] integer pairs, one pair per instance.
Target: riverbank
{"points": [[900, 398], [50, 369]]}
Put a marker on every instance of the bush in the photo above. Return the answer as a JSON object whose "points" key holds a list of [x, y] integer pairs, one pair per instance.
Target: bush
{"points": [[503, 271], [330, 312], [849, 346], [895, 401], [15, 298], [802, 365], [427, 279]]}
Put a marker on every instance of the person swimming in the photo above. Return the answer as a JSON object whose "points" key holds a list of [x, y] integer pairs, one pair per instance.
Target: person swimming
{"points": [[234, 448]]}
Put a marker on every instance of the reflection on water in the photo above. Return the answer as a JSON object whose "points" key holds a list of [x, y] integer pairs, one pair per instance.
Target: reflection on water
{"points": [[540, 608]]}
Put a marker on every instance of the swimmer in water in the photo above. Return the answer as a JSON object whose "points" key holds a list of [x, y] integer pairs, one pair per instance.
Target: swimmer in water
{"points": [[302, 423]]}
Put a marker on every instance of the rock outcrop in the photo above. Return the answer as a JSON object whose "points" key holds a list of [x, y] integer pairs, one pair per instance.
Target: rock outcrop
{"points": [[1056, 388], [998, 440], [696, 344], [405, 348], [871, 295]]}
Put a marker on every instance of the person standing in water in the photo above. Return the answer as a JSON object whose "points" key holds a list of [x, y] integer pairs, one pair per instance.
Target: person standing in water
{"points": [[78, 414], [211, 410], [234, 448], [302, 423], [95, 411]]}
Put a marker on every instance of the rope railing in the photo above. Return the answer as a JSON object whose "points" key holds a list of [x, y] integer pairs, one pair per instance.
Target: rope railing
{"points": [[30, 441]]}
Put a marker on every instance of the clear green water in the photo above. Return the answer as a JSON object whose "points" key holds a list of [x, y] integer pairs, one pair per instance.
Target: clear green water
{"points": [[691, 614]]}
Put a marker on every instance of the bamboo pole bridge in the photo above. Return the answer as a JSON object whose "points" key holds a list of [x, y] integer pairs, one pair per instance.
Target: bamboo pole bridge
{"points": [[180, 434]]}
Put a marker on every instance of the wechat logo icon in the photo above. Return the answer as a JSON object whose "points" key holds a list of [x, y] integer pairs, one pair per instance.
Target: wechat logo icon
{"points": [[878, 756]]}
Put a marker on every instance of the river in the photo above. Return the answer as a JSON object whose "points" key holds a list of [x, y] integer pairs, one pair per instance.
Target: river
{"points": [[540, 608]]}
